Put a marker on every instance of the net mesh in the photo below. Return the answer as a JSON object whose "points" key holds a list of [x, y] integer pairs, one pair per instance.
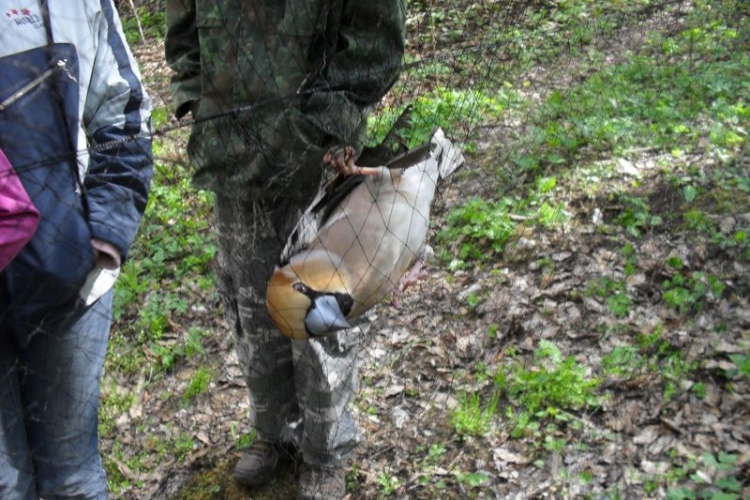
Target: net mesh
{"points": [[579, 327]]}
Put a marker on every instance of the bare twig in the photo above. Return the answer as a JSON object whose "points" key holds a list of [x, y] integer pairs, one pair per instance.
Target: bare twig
{"points": [[138, 21]]}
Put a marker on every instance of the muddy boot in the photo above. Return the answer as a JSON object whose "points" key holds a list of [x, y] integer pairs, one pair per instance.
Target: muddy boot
{"points": [[321, 483], [258, 465]]}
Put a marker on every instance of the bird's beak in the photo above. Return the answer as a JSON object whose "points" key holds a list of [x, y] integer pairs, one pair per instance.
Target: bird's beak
{"points": [[325, 317]]}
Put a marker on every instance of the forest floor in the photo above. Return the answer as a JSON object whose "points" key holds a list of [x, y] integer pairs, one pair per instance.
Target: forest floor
{"points": [[584, 329]]}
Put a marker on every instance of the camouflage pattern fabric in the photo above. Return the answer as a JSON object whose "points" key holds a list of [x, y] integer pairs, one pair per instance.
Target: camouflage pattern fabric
{"points": [[308, 70], [299, 391], [273, 85]]}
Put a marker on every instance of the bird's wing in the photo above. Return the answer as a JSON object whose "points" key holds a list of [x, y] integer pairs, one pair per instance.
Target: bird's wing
{"points": [[333, 194], [380, 229], [391, 152]]}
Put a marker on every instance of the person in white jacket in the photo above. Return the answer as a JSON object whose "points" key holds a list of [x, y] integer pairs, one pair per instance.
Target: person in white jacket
{"points": [[75, 125]]}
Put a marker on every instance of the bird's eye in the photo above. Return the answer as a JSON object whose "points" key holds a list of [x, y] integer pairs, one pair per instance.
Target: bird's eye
{"points": [[304, 289]]}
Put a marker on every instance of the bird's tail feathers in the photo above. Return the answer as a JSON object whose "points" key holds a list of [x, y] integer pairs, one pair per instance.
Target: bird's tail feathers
{"points": [[451, 158]]}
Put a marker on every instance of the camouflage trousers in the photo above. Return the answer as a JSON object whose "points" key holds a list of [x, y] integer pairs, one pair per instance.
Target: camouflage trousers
{"points": [[299, 390]]}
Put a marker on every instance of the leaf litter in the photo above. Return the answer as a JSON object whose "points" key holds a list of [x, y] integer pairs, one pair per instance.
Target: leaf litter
{"points": [[669, 388]]}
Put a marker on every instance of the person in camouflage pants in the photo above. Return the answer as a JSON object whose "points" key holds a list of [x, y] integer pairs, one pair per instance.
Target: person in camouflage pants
{"points": [[273, 85]]}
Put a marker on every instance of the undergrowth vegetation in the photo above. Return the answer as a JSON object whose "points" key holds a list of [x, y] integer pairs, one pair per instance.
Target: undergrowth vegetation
{"points": [[678, 96], [639, 143]]}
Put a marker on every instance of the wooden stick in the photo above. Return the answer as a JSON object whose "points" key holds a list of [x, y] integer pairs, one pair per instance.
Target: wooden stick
{"points": [[138, 22]]}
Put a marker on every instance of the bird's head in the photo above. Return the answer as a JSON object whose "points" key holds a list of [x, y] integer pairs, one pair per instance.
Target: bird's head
{"points": [[308, 300]]}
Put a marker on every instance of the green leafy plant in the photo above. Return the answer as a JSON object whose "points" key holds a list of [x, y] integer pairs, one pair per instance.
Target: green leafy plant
{"points": [[388, 483], [481, 228], [669, 364], [168, 270], [688, 291], [716, 479], [152, 22], [550, 388], [614, 292], [352, 478], [636, 216], [619, 304], [742, 361], [472, 479], [474, 300], [450, 109], [562, 383], [241, 440], [696, 220], [694, 96], [435, 453], [631, 260], [622, 360]]}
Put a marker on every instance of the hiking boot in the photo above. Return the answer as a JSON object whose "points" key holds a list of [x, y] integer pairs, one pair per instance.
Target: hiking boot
{"points": [[258, 464], [321, 483]]}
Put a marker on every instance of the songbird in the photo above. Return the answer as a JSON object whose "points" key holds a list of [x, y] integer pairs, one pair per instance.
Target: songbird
{"points": [[358, 239]]}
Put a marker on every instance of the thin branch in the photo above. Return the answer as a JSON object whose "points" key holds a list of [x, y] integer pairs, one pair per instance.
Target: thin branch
{"points": [[138, 21]]}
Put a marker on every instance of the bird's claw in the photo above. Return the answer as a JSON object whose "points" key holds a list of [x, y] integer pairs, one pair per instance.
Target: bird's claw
{"points": [[411, 278], [342, 162]]}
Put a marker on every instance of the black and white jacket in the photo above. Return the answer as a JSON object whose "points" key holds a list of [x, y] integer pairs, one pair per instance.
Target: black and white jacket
{"points": [[75, 124]]}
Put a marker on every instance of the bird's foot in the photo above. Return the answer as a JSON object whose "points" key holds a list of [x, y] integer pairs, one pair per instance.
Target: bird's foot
{"points": [[411, 278], [342, 162]]}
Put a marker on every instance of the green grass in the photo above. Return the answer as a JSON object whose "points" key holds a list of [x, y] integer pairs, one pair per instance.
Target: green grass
{"points": [[458, 112], [167, 271], [481, 229], [153, 23], [198, 385], [675, 94], [167, 274], [551, 383], [473, 415]]}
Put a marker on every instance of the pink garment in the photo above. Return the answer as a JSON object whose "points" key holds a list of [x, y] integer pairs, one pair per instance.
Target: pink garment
{"points": [[18, 216]]}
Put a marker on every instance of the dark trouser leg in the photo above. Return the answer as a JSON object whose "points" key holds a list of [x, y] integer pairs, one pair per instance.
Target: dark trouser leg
{"points": [[248, 247]]}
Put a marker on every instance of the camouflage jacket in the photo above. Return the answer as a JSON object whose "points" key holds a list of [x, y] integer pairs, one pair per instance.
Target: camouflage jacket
{"points": [[273, 84]]}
